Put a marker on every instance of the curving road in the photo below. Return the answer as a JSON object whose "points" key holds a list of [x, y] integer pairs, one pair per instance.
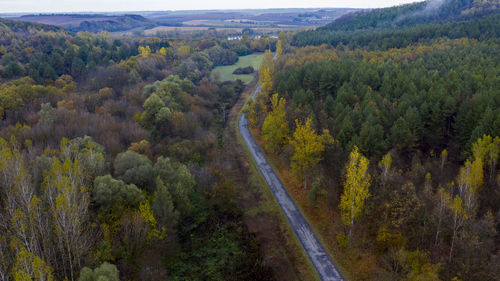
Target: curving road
{"points": [[317, 254]]}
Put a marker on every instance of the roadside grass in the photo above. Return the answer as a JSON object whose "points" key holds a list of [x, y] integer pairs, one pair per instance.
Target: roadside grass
{"points": [[226, 71], [265, 214]]}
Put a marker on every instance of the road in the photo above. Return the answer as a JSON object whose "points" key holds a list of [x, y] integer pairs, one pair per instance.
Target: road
{"points": [[317, 254]]}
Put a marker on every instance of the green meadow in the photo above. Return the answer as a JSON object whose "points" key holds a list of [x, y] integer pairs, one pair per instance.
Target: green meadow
{"points": [[226, 71]]}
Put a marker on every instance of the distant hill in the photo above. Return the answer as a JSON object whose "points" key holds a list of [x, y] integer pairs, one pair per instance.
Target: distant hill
{"points": [[400, 25], [9, 25], [240, 19], [90, 22]]}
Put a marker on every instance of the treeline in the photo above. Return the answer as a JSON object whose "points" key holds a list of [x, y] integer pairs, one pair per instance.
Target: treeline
{"points": [[400, 26], [112, 171], [392, 153], [444, 98]]}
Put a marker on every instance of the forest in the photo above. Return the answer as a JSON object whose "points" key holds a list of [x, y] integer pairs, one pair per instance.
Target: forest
{"points": [[388, 137], [110, 155], [119, 157]]}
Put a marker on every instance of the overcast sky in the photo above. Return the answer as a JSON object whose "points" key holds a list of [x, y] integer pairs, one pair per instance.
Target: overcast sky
{"points": [[44, 6]]}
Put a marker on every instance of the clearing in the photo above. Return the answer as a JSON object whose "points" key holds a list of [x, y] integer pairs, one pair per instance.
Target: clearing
{"points": [[226, 71]]}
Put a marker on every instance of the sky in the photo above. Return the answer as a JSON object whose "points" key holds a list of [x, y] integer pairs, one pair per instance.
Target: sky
{"points": [[57, 6]]}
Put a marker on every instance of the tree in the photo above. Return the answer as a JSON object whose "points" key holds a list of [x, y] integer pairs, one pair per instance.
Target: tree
{"points": [[404, 211], [132, 167], [458, 219], [90, 154], [111, 194], [144, 51], [142, 147], [420, 268], [371, 138], [308, 147], [178, 180], [487, 149], [68, 200], [163, 206], [401, 136], [31, 267], [152, 107], [279, 47], [443, 201], [356, 184], [444, 156], [266, 70], [275, 129], [256, 112], [105, 272], [162, 51], [47, 114], [385, 165], [66, 83]]}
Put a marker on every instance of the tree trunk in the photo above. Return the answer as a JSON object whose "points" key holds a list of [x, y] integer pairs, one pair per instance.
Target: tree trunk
{"points": [[439, 222], [352, 215], [492, 170], [453, 237]]}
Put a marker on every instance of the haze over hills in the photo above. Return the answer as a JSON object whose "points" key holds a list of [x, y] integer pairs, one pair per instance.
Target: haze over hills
{"points": [[410, 23], [266, 18]]}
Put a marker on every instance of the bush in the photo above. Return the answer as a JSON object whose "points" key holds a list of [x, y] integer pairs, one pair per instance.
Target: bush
{"points": [[244, 70]]}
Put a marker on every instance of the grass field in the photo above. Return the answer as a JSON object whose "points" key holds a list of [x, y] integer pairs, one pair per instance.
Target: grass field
{"points": [[226, 71]]}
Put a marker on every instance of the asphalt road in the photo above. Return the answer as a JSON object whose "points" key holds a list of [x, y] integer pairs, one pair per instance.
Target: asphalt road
{"points": [[317, 254]]}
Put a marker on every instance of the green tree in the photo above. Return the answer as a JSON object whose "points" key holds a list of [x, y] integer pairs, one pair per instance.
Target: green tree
{"points": [[163, 206], [111, 194], [105, 272], [401, 136], [47, 114], [91, 155], [132, 167], [178, 180]]}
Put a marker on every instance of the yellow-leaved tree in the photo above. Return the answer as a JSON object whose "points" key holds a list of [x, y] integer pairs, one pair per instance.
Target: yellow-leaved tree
{"points": [[163, 51], [275, 129], [144, 51], [266, 70], [279, 47], [357, 182], [385, 166], [28, 266], [308, 148]]}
